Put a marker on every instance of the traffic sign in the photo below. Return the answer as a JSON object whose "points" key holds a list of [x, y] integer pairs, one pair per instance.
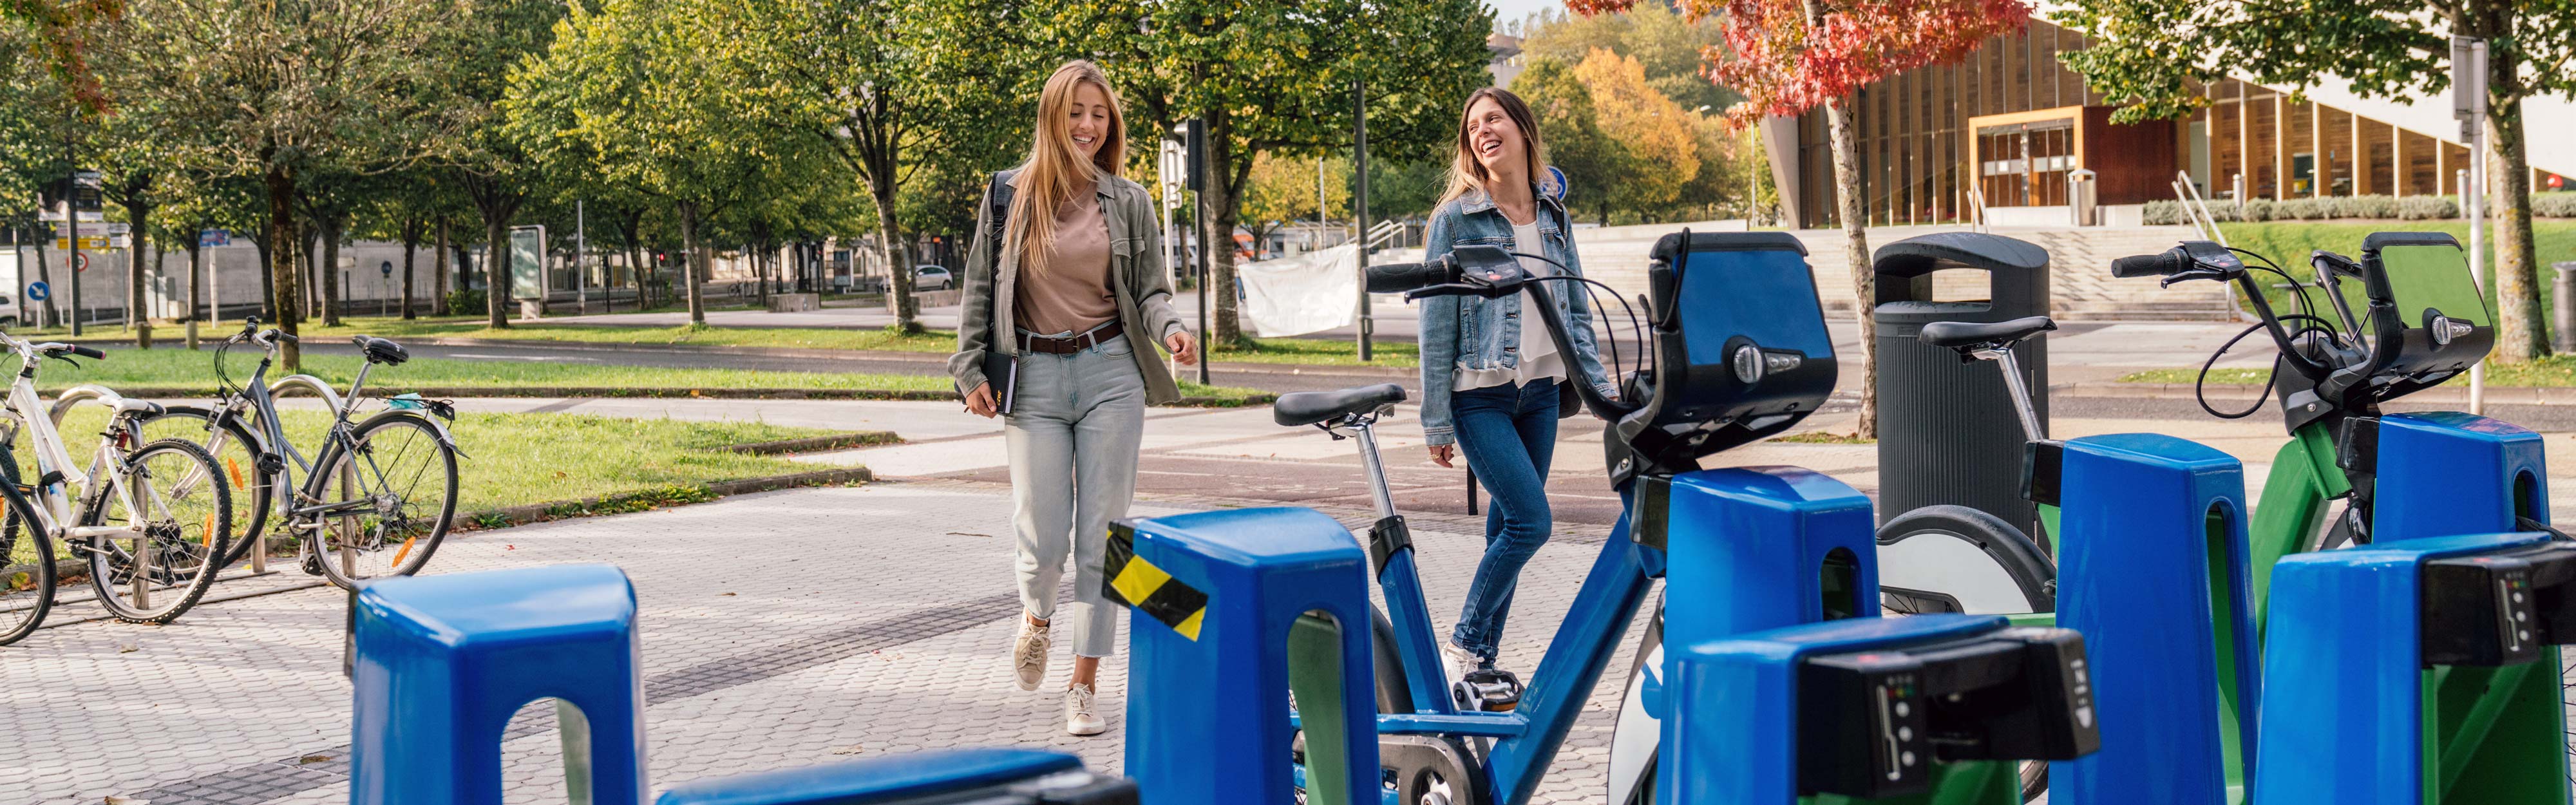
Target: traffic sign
{"points": [[213, 237], [94, 229], [387, 268], [37, 291], [1560, 188], [95, 243], [80, 262]]}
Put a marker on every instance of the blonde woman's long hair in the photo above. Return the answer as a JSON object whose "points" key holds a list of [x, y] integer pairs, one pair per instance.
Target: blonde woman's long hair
{"points": [[1055, 171], [1467, 175]]}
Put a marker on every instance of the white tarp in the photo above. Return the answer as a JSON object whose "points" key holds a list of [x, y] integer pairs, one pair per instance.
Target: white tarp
{"points": [[1308, 293]]}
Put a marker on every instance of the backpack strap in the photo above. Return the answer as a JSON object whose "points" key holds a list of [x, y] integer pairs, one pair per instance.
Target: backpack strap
{"points": [[1000, 192]]}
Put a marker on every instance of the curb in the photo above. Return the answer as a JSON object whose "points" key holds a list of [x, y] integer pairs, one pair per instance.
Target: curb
{"points": [[528, 513], [838, 441]]}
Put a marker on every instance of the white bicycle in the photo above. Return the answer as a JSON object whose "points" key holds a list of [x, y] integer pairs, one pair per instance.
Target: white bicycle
{"points": [[146, 522]]}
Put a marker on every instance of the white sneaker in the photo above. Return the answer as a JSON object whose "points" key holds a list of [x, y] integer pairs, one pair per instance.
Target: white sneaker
{"points": [[1079, 718], [1029, 654], [1458, 661]]}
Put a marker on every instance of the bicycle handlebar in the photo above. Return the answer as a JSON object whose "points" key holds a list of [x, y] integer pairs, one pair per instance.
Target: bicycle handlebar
{"points": [[1490, 272], [2151, 265], [86, 352]]}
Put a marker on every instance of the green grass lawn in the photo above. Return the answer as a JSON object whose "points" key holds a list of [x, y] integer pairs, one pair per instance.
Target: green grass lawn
{"points": [[517, 459], [2289, 243], [1306, 351], [2553, 371], [183, 369]]}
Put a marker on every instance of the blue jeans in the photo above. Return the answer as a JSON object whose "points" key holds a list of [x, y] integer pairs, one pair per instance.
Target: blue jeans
{"points": [[1508, 434]]}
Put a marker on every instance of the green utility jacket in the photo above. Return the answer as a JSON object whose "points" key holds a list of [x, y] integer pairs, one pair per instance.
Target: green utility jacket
{"points": [[1140, 282]]}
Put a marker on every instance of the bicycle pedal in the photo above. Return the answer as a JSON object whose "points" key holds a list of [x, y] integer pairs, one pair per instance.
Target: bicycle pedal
{"points": [[312, 565], [1488, 690]]}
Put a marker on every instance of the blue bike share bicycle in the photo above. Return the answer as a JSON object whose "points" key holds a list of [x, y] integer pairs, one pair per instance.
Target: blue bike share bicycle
{"points": [[1737, 352]]}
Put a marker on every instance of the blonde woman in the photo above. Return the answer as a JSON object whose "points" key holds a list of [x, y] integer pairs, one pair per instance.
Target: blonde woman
{"points": [[1493, 382], [1072, 292]]}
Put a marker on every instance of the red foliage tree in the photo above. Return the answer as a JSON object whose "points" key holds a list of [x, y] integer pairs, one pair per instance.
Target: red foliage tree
{"points": [[67, 31], [1790, 56]]}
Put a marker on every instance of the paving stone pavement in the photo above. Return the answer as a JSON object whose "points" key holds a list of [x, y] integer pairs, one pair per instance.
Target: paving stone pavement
{"points": [[839, 623]]}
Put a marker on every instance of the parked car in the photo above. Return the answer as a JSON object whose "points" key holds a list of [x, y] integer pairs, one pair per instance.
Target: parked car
{"points": [[932, 278]]}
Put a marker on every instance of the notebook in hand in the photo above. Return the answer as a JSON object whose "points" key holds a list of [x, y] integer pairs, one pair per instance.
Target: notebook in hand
{"points": [[1002, 372]]}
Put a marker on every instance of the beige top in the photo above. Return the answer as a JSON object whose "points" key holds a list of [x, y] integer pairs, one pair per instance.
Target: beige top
{"points": [[1539, 360], [1068, 292]]}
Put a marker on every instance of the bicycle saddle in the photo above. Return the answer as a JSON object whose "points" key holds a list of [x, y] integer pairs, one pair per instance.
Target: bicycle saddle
{"points": [[1310, 407], [1968, 334], [381, 351]]}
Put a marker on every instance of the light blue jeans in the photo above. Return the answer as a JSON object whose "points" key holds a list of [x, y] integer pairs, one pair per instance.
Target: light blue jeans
{"points": [[1073, 434]]}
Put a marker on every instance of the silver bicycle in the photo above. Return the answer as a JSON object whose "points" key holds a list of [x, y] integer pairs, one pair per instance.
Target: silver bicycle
{"points": [[147, 522]]}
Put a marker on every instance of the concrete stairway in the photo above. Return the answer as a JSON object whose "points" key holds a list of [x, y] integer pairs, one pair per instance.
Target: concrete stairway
{"points": [[2082, 288]]}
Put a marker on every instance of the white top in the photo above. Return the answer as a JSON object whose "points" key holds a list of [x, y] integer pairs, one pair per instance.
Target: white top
{"points": [[1539, 358]]}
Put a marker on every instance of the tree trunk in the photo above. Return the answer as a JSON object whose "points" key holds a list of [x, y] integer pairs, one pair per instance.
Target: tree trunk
{"points": [[496, 271], [693, 265], [1855, 215], [2522, 332], [898, 260], [411, 240], [283, 301], [333, 296], [1218, 209], [439, 268], [311, 302]]}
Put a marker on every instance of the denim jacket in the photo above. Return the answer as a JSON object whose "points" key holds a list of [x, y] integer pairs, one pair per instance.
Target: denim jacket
{"points": [[1480, 333]]}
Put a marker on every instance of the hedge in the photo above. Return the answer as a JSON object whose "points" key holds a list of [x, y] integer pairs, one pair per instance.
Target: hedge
{"points": [[2409, 208]]}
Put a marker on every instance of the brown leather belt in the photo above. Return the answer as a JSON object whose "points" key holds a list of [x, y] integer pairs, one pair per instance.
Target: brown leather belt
{"points": [[1068, 346]]}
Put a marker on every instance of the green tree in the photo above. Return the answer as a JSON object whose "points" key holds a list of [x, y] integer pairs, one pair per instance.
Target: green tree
{"points": [[1662, 149], [1593, 161], [879, 83], [283, 89], [1285, 189], [1280, 79], [1668, 47], [630, 89], [2383, 49]]}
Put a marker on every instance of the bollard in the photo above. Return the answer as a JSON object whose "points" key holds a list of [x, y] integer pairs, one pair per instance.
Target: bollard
{"points": [[2155, 518], [2562, 322], [1218, 598]]}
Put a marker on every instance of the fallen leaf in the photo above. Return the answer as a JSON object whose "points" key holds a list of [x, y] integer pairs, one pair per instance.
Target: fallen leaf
{"points": [[509, 547], [314, 759], [966, 534], [125, 801], [852, 749], [728, 593], [128, 648]]}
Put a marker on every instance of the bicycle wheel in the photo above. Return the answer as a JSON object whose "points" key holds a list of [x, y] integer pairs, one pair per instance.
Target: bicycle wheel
{"points": [[389, 492], [26, 575], [1958, 559], [185, 530], [236, 449]]}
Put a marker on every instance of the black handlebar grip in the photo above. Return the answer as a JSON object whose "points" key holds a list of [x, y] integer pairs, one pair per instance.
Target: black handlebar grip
{"points": [[2151, 265], [86, 352], [290, 338], [1401, 277]]}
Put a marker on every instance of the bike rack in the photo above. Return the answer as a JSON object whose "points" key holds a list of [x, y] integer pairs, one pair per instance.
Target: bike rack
{"points": [[1218, 599], [2446, 473], [2155, 518], [2372, 651], [440, 664], [1875, 710]]}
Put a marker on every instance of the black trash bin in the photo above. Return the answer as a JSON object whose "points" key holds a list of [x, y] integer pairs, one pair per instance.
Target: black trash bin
{"points": [[1947, 432]]}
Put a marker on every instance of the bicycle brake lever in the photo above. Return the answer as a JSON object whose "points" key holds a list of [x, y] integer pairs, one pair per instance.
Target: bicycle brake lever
{"points": [[2188, 274]]}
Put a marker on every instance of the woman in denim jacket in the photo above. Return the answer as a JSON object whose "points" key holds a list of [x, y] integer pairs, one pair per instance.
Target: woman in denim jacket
{"points": [[1493, 382]]}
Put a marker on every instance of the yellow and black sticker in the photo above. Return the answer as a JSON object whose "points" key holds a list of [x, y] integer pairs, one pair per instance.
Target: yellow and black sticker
{"points": [[1137, 583]]}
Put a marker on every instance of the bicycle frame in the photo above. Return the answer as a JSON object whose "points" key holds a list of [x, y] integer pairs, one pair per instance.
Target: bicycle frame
{"points": [[56, 474], [1525, 740], [256, 397]]}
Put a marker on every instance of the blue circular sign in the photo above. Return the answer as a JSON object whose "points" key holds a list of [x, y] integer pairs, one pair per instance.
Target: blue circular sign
{"points": [[1560, 187], [37, 291], [388, 268]]}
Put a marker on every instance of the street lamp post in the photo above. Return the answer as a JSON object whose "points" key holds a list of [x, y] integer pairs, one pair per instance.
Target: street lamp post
{"points": [[1359, 207]]}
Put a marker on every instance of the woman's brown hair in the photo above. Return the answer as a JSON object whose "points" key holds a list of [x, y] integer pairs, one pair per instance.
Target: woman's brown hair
{"points": [[1467, 175], [1055, 171]]}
